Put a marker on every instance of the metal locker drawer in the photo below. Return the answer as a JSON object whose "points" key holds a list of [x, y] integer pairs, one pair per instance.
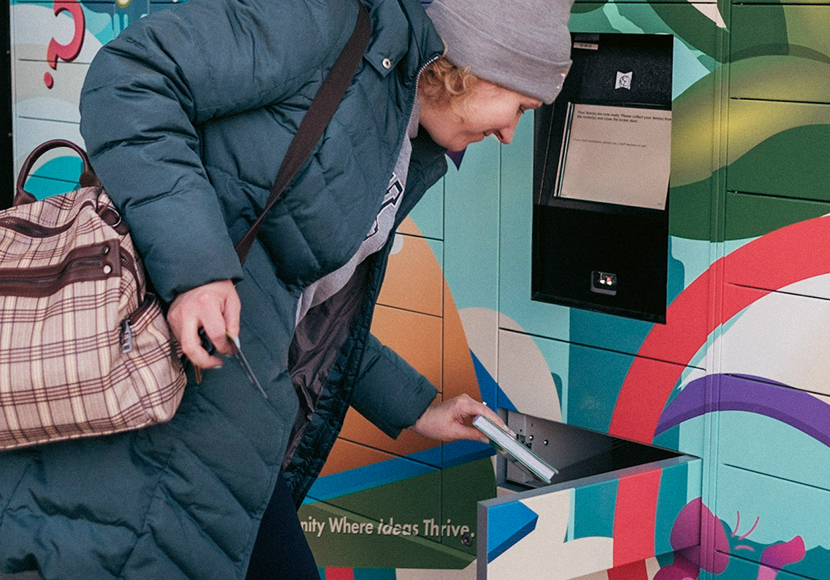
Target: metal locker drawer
{"points": [[614, 502]]}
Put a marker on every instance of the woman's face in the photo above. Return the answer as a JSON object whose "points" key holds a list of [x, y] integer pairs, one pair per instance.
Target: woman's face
{"points": [[489, 109]]}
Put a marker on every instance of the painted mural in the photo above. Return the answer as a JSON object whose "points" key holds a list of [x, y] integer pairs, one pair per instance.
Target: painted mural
{"points": [[736, 379]]}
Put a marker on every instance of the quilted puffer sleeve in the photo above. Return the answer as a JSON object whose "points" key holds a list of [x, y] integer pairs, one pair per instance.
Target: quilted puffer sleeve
{"points": [[147, 92], [389, 392]]}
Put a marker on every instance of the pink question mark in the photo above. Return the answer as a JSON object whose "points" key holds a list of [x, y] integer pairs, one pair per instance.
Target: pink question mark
{"points": [[67, 52]]}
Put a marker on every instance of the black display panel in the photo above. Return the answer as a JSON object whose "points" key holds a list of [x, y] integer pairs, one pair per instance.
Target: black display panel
{"points": [[601, 179]]}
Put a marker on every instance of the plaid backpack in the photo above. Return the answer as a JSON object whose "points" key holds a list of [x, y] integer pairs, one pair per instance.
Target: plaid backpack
{"points": [[84, 348]]}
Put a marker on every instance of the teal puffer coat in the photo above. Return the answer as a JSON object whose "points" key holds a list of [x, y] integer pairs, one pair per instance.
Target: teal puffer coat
{"points": [[186, 116]]}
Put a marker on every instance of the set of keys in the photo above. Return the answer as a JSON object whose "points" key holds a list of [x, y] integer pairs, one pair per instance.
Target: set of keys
{"points": [[237, 354]]}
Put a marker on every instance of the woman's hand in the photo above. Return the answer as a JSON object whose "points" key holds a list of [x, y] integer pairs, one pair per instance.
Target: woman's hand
{"points": [[214, 307], [450, 420]]}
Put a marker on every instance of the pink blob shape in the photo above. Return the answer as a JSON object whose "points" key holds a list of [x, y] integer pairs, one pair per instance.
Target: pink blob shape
{"points": [[685, 536], [779, 555]]}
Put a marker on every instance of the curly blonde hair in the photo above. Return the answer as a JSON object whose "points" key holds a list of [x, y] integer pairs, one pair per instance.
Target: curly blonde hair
{"points": [[446, 84]]}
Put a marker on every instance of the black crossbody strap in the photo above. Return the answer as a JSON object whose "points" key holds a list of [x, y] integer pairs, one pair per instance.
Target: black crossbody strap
{"points": [[315, 121]]}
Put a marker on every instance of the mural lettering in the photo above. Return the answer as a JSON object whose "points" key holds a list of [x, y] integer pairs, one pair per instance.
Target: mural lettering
{"points": [[344, 525]]}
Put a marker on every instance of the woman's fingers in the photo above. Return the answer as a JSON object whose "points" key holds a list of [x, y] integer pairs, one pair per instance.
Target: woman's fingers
{"points": [[214, 308], [231, 313], [450, 420]]}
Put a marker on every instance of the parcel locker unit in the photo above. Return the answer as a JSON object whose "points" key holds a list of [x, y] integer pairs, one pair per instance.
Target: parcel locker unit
{"points": [[595, 360]]}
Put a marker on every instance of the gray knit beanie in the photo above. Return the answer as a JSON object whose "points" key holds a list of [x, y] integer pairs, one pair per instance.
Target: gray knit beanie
{"points": [[522, 45]]}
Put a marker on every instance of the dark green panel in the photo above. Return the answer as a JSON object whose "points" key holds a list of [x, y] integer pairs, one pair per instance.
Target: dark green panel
{"points": [[406, 543], [783, 2], [758, 31], [792, 163], [697, 29], [375, 550], [689, 207], [462, 488], [782, 30], [749, 216], [409, 500], [781, 53], [694, 127]]}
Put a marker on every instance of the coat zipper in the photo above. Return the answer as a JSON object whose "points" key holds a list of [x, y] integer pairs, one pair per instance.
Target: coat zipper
{"points": [[417, 82]]}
